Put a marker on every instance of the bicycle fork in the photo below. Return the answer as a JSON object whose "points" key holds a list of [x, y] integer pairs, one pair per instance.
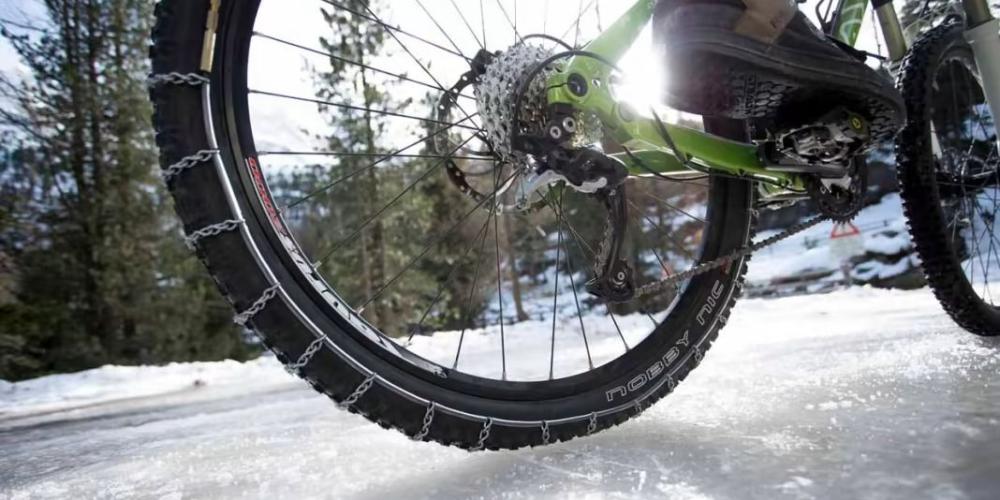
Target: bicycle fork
{"points": [[983, 34]]}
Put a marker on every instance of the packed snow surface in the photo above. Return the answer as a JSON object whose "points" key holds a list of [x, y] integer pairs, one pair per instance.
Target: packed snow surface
{"points": [[117, 383], [856, 394]]}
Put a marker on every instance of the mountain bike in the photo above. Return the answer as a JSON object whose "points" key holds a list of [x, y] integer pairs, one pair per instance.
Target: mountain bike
{"points": [[491, 245]]}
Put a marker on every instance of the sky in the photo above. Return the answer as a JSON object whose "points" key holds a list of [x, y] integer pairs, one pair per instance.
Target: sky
{"points": [[28, 12]]}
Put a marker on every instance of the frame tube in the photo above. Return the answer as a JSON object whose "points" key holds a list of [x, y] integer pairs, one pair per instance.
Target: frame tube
{"points": [[983, 34], [892, 32], [977, 12]]}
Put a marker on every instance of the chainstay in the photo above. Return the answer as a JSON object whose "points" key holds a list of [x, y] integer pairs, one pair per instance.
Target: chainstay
{"points": [[675, 280]]}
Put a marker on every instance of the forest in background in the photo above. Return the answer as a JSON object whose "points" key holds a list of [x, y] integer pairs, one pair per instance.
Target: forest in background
{"points": [[93, 269]]}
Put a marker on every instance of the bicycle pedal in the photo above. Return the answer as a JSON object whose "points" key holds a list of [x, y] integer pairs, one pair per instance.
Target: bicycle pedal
{"points": [[825, 147]]}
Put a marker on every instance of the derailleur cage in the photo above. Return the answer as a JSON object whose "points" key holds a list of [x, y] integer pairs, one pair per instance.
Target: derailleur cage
{"points": [[614, 281], [590, 171]]}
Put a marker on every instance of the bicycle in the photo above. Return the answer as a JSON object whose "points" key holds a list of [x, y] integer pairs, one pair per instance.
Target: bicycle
{"points": [[518, 142]]}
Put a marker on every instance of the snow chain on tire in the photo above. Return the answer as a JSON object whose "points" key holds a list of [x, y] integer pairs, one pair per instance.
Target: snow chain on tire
{"points": [[204, 174]]}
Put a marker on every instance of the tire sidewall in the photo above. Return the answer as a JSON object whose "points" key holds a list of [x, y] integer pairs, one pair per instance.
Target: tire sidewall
{"points": [[919, 189], [649, 371]]}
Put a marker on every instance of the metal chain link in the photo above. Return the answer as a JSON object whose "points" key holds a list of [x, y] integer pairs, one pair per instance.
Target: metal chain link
{"points": [[213, 230], [604, 250], [258, 306], [484, 434], [428, 420], [187, 162], [360, 391], [592, 425], [307, 355], [175, 78], [700, 269], [546, 437]]}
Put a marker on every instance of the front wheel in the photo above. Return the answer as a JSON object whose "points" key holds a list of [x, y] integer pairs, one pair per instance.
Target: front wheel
{"points": [[372, 252], [950, 185]]}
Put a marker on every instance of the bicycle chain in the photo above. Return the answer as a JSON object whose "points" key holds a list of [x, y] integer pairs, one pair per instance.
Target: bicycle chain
{"points": [[705, 267], [675, 280]]}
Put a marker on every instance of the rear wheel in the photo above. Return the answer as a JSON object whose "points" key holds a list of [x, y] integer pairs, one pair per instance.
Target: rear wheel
{"points": [[396, 263], [947, 156]]}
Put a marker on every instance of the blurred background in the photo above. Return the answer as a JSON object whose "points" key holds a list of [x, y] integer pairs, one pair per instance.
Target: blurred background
{"points": [[93, 269]]}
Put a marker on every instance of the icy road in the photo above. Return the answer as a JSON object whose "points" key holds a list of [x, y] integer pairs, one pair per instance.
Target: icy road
{"points": [[858, 394]]}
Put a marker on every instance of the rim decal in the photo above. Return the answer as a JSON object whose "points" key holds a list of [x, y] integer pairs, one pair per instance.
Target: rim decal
{"points": [[265, 195]]}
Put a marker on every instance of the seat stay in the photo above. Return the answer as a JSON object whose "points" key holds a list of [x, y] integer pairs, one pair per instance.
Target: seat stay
{"points": [[585, 83]]}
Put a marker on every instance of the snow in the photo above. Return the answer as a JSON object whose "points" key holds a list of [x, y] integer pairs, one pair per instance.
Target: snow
{"points": [[884, 232], [859, 393], [116, 383], [528, 346]]}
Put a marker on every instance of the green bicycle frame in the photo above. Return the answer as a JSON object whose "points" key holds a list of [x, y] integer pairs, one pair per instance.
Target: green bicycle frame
{"points": [[646, 147]]}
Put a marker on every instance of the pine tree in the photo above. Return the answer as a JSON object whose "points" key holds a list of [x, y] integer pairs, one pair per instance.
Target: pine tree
{"points": [[100, 272]]}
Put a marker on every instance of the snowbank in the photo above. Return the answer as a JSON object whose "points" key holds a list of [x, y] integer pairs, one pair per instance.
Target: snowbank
{"points": [[884, 234], [111, 383], [528, 356]]}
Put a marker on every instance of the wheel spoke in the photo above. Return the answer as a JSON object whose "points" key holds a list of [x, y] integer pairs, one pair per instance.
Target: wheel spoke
{"points": [[671, 206], [482, 22], [575, 26], [496, 235], [572, 283], [663, 265], [339, 154], [313, 194], [438, 25], [677, 244], [621, 335], [467, 25], [323, 53], [379, 112], [357, 231], [418, 61], [989, 223], [512, 23], [580, 243], [448, 279], [434, 242], [600, 20], [396, 29], [472, 289], [555, 298], [400, 250]]}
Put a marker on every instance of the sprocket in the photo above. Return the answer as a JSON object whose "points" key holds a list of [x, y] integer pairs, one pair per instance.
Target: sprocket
{"points": [[841, 199], [495, 98]]}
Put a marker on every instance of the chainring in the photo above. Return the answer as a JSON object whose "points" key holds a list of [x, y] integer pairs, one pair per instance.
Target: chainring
{"points": [[840, 200]]}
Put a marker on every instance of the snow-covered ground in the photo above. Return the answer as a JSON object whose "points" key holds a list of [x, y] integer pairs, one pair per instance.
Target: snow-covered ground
{"points": [[883, 232], [117, 383], [857, 394]]}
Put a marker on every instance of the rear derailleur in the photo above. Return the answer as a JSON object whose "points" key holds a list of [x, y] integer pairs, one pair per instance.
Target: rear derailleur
{"points": [[544, 142], [590, 171]]}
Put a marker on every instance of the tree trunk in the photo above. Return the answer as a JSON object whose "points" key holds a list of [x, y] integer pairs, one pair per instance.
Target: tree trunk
{"points": [[378, 272], [512, 270]]}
